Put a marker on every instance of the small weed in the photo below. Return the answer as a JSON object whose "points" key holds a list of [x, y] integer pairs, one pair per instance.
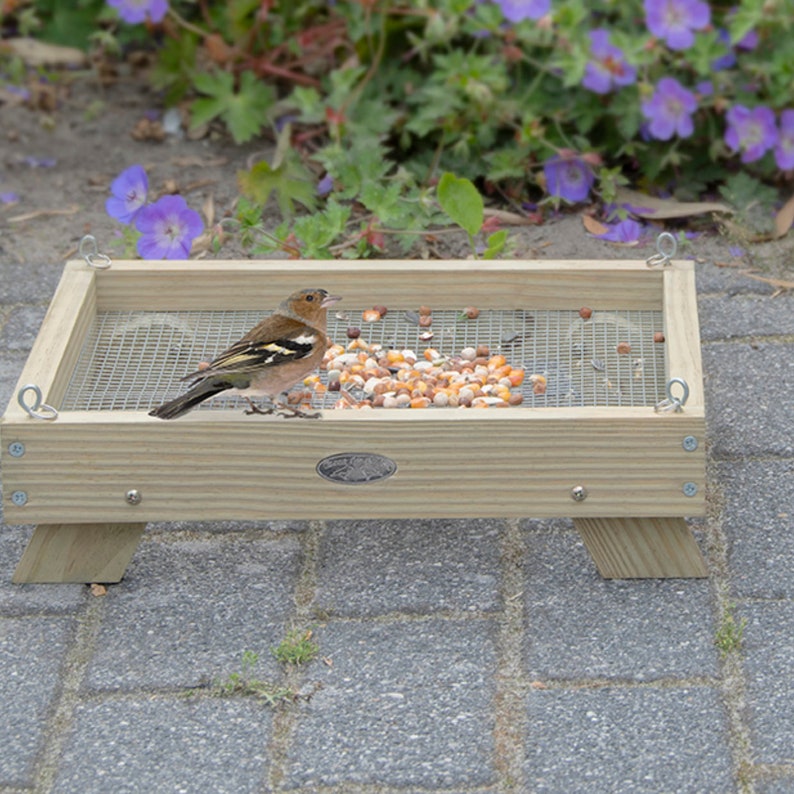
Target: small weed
{"points": [[730, 631], [244, 684], [297, 647]]}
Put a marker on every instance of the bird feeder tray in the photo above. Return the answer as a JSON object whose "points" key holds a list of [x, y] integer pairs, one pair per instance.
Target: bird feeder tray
{"points": [[616, 441]]}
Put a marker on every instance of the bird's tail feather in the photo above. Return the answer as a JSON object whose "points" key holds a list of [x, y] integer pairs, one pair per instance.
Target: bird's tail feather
{"points": [[190, 399]]}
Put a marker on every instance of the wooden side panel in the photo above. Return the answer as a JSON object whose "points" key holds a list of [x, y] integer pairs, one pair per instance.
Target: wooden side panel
{"points": [[78, 553], [513, 462], [57, 346], [682, 331], [164, 286], [631, 548]]}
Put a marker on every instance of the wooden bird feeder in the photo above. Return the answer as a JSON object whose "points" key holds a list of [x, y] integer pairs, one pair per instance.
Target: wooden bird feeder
{"points": [[616, 441]]}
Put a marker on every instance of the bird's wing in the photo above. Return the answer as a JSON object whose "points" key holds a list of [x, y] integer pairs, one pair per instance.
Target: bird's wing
{"points": [[248, 355]]}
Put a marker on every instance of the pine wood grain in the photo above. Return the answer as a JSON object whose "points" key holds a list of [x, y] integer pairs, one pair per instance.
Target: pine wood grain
{"points": [[682, 331], [641, 548], [57, 346], [78, 553], [164, 286], [466, 463]]}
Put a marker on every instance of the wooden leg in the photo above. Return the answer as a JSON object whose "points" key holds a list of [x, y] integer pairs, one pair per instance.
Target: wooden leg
{"points": [[642, 548], [78, 553]]}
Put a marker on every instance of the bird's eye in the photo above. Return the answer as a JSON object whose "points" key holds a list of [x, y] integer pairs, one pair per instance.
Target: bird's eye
{"points": [[310, 298]]}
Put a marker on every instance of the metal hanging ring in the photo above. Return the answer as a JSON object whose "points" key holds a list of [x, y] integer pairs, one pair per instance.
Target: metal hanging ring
{"points": [[39, 409], [666, 247], [89, 250], [672, 403]]}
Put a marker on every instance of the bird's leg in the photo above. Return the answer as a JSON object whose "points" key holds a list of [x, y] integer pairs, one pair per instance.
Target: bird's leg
{"points": [[292, 411], [255, 409]]}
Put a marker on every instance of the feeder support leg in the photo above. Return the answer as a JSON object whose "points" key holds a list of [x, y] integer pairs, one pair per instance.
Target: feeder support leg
{"points": [[86, 553], [642, 548]]}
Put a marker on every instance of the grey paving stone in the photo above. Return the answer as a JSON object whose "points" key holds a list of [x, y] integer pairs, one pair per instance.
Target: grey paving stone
{"points": [[249, 529], [768, 656], [187, 610], [166, 745], [11, 365], [637, 739], [757, 519], [27, 599], [723, 317], [31, 656], [749, 399], [26, 283], [781, 785], [728, 280], [578, 625], [20, 330], [403, 704], [376, 567]]}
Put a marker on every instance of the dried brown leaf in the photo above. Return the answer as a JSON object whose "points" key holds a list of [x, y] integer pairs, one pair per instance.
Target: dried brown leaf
{"points": [[593, 226], [29, 216], [40, 53], [199, 162], [784, 218], [780, 283], [208, 209], [509, 218], [659, 209]]}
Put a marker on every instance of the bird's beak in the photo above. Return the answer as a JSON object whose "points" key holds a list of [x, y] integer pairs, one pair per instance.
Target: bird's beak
{"points": [[330, 300]]}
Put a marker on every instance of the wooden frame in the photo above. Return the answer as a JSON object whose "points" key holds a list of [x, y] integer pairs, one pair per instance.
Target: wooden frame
{"points": [[76, 471]]}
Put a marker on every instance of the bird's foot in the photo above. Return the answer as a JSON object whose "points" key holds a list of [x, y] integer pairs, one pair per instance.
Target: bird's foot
{"points": [[290, 412], [255, 409]]}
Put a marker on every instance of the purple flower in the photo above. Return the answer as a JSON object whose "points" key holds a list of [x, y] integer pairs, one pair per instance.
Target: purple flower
{"points": [[751, 131], [568, 178], [670, 110], [168, 228], [784, 150], [608, 66], [9, 197], [129, 191], [749, 41], [519, 10], [134, 12], [727, 60], [626, 231], [40, 162], [674, 20], [325, 185]]}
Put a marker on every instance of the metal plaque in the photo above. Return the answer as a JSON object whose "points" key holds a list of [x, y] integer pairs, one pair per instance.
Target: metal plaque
{"points": [[356, 468]]}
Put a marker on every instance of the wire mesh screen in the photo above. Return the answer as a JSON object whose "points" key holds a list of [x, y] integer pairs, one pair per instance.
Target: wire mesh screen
{"points": [[134, 360]]}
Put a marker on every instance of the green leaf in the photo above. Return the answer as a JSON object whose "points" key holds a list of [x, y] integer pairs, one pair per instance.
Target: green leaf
{"points": [[496, 243], [287, 177], [319, 231], [461, 201], [244, 112]]}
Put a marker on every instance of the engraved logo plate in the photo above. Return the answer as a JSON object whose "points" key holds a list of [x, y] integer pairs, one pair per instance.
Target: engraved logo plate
{"points": [[356, 468]]}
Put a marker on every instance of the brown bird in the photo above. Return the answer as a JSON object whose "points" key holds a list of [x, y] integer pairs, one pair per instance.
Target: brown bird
{"points": [[273, 356]]}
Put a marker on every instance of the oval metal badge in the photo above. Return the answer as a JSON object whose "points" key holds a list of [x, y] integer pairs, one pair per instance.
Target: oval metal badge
{"points": [[356, 468]]}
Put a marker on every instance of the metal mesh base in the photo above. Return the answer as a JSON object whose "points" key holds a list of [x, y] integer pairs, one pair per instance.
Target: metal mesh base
{"points": [[134, 360]]}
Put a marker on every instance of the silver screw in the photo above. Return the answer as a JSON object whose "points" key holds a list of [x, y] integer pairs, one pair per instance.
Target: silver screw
{"points": [[133, 496], [689, 489], [16, 449], [690, 443], [578, 493], [19, 498]]}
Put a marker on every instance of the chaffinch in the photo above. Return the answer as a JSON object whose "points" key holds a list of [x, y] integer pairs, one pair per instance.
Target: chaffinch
{"points": [[274, 355]]}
